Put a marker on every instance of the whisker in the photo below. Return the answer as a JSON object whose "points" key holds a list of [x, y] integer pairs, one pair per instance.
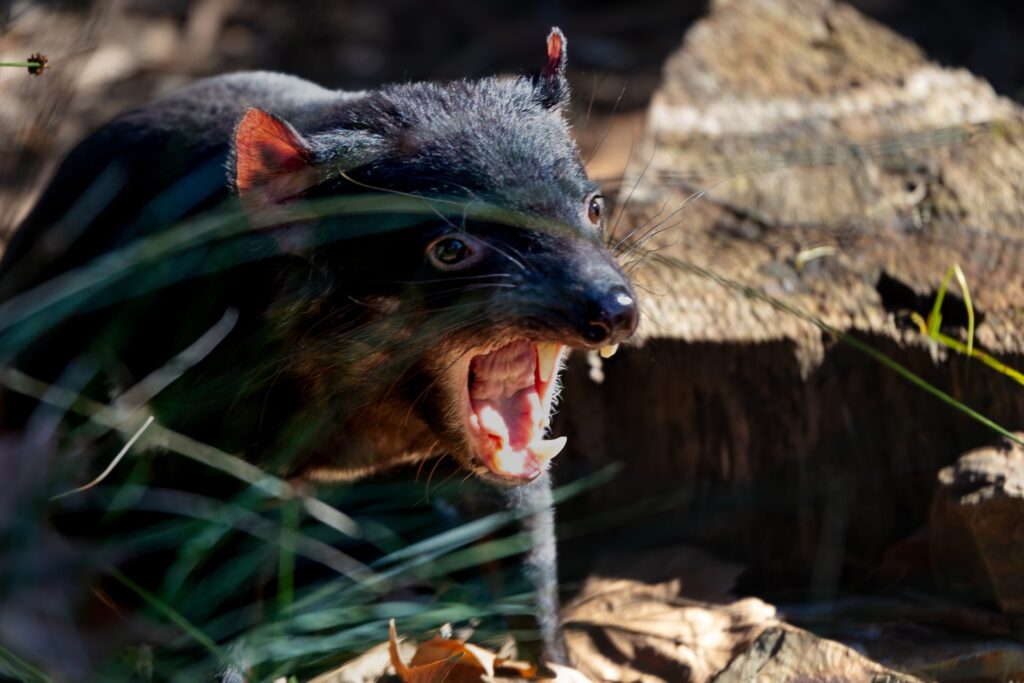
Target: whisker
{"points": [[513, 259], [430, 477], [622, 210], [608, 128], [683, 205], [641, 226]]}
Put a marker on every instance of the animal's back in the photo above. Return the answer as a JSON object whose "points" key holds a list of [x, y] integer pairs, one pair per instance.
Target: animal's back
{"points": [[147, 169]]}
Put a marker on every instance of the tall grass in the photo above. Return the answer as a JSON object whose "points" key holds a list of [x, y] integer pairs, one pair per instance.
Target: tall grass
{"points": [[253, 574]]}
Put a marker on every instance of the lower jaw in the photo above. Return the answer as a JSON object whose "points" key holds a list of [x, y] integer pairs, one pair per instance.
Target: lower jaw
{"points": [[519, 466], [515, 467], [488, 475]]}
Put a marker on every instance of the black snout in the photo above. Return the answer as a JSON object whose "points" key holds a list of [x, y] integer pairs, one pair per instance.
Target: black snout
{"points": [[610, 317]]}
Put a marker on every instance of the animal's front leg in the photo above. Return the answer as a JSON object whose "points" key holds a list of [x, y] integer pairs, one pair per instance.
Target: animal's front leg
{"points": [[542, 560]]}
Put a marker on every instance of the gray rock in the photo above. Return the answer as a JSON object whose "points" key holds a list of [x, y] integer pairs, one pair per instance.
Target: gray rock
{"points": [[784, 654], [977, 527]]}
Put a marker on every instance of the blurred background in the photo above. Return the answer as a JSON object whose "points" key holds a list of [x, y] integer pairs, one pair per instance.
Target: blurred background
{"points": [[109, 55]]}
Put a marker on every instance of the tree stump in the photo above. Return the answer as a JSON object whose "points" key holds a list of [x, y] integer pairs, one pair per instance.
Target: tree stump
{"points": [[803, 151]]}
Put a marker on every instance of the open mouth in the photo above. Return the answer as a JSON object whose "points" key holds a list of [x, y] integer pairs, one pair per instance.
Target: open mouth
{"points": [[510, 394]]}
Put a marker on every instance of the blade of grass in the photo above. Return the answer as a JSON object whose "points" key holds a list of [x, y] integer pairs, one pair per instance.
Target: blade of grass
{"points": [[16, 667], [985, 358], [69, 293], [935, 316], [160, 436], [962, 280], [471, 531], [932, 332], [286, 555], [174, 616], [113, 463], [867, 349]]}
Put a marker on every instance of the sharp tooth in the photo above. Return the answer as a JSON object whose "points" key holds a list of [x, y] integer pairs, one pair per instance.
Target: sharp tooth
{"points": [[609, 351], [545, 449], [547, 359]]}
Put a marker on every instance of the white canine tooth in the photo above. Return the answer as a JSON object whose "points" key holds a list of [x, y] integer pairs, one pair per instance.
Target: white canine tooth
{"points": [[609, 351], [547, 359], [545, 449]]}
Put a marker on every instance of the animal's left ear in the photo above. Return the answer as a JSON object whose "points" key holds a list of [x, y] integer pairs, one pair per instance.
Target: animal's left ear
{"points": [[273, 162], [551, 87]]}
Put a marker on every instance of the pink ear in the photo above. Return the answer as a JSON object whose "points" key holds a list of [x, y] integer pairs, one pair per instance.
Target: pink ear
{"points": [[551, 87], [556, 54], [273, 162]]}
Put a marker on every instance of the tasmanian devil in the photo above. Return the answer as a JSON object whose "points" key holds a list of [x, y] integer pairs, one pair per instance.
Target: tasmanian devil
{"points": [[406, 268]]}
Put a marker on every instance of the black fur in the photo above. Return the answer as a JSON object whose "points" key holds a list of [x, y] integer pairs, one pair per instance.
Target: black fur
{"points": [[338, 365]]}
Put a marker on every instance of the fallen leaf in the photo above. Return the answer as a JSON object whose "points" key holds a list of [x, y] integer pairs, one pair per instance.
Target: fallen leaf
{"points": [[433, 672], [565, 674], [438, 648], [368, 667]]}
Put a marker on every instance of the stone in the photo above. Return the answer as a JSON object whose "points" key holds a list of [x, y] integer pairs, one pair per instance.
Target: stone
{"points": [[669, 616], [977, 527], [785, 654]]}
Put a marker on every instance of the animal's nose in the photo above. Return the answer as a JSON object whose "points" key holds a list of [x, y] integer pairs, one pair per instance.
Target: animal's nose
{"points": [[610, 317]]}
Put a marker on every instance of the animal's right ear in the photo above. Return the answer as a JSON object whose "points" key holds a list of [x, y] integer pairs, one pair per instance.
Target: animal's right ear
{"points": [[550, 85], [273, 162]]}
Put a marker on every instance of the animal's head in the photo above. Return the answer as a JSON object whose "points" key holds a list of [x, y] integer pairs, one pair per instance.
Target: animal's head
{"points": [[453, 303]]}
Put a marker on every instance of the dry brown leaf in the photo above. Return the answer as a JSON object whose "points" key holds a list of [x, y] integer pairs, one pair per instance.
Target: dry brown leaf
{"points": [[367, 667], [648, 631], [785, 654], [470, 656], [630, 630], [453, 661], [509, 667], [435, 671], [444, 659], [565, 674]]}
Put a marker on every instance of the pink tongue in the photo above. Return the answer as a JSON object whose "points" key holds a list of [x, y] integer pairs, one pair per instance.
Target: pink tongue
{"points": [[504, 394], [511, 419]]}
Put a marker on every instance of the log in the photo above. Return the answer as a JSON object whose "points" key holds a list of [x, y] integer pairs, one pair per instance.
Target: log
{"points": [[803, 152]]}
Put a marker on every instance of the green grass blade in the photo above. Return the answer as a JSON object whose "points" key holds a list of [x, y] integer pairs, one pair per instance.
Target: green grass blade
{"points": [[14, 666], [174, 616], [286, 555], [962, 280], [867, 349]]}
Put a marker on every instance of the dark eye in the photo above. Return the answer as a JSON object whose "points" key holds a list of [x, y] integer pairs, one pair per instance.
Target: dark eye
{"points": [[595, 209], [449, 251]]}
